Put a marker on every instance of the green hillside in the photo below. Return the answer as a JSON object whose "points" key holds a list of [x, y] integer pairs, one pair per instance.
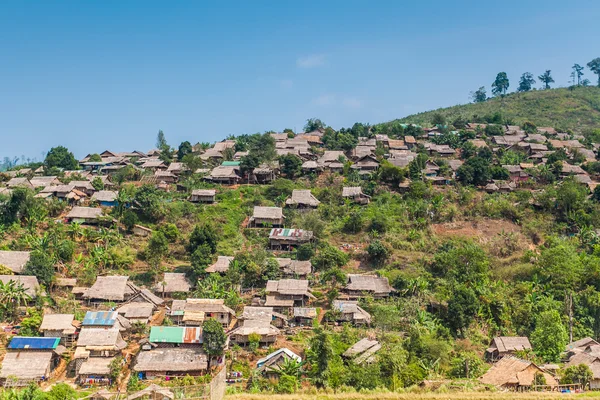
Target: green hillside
{"points": [[577, 109]]}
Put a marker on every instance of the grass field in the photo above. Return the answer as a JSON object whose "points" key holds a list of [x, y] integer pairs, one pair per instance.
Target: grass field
{"points": [[415, 396]]}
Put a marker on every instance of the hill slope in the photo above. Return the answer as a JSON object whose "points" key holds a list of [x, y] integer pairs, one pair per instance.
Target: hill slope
{"points": [[577, 109]]}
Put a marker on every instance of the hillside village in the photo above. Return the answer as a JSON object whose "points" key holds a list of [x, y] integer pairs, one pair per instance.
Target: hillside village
{"points": [[393, 255]]}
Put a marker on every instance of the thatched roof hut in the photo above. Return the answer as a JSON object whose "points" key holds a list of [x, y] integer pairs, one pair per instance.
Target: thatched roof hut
{"points": [[109, 288], [178, 360], [30, 283], [173, 282], [514, 373], [302, 198], [221, 265], [14, 260]]}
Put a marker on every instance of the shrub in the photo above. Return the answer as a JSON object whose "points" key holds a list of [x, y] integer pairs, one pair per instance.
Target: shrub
{"points": [[378, 252]]}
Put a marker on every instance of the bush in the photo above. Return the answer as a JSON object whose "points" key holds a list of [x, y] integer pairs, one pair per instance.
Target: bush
{"points": [[353, 222], [378, 252], [129, 219], [170, 231], [305, 252]]}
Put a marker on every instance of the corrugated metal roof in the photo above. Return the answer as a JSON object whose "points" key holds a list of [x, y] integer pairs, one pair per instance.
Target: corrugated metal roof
{"points": [[33, 343], [230, 164], [175, 334], [100, 318]]}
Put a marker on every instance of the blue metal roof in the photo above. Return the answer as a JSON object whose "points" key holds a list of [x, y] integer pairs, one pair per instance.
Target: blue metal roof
{"points": [[33, 343], [100, 318]]}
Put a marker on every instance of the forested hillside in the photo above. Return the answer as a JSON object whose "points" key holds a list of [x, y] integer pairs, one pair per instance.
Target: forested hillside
{"points": [[394, 257]]}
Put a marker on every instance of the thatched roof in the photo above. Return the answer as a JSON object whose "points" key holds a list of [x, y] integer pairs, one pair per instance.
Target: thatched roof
{"points": [[96, 366], [14, 260], [224, 172], [221, 265], [353, 191], [369, 283], [303, 198], [19, 182], [30, 283], [25, 364], [101, 339], [257, 313], [512, 371], [111, 288], [267, 212], [154, 392], [305, 312], [105, 195], [331, 156], [360, 347], [171, 359], [173, 282], [581, 343], [504, 344], [58, 322], [207, 306], [66, 282], [295, 267], [259, 327], [278, 301], [292, 287], [85, 212], [352, 307], [363, 350], [203, 192], [136, 310]]}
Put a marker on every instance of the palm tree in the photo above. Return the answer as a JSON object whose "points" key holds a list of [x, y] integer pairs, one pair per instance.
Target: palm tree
{"points": [[75, 231]]}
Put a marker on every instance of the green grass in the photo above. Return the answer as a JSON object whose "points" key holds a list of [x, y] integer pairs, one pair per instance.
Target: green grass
{"points": [[577, 109]]}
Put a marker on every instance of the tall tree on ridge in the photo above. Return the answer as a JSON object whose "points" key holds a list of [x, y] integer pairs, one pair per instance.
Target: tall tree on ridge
{"points": [[526, 83], [501, 84], [594, 66], [546, 78]]}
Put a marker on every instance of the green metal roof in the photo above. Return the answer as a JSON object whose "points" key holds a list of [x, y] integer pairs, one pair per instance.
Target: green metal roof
{"points": [[166, 334], [230, 164]]}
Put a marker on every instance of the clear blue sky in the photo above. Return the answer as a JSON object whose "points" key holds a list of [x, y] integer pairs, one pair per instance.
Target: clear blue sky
{"points": [[96, 75]]}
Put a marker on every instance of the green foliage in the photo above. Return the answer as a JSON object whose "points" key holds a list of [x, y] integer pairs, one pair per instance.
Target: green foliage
{"points": [[214, 337], [30, 326], [41, 265], [475, 171], [594, 66], [581, 374], [500, 85], [329, 257], [170, 231], [466, 365], [568, 109], [378, 252], [550, 336], [305, 252], [479, 96], [158, 247], [253, 341], [184, 149], [129, 219], [291, 165], [97, 183], [494, 130], [95, 158], [546, 79], [61, 391], [60, 157], [526, 83], [147, 200], [354, 222]]}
